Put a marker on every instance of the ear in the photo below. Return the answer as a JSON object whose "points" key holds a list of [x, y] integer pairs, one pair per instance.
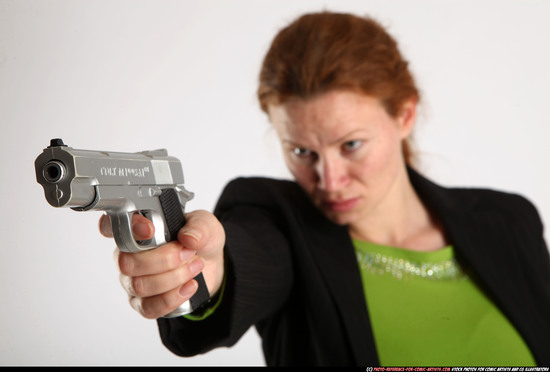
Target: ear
{"points": [[407, 117]]}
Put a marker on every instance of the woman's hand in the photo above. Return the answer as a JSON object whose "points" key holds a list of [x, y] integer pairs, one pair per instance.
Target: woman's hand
{"points": [[159, 280]]}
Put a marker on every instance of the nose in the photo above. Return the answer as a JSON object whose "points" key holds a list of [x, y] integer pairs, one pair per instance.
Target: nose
{"points": [[332, 174]]}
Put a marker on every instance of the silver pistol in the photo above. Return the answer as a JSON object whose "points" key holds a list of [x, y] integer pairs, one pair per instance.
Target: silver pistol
{"points": [[121, 184]]}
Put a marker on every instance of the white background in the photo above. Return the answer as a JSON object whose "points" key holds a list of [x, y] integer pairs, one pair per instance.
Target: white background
{"points": [[133, 75]]}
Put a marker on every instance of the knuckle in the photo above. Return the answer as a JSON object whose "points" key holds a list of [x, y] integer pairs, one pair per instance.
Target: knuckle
{"points": [[165, 262], [166, 302], [138, 286], [147, 311], [172, 258], [157, 306], [181, 276], [126, 264], [170, 301], [136, 304], [126, 283]]}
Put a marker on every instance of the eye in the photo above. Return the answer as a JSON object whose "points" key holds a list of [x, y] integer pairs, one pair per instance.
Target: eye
{"points": [[302, 152], [302, 155], [350, 146]]}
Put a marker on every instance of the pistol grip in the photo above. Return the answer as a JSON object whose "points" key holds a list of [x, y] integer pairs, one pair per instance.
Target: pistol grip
{"points": [[174, 220]]}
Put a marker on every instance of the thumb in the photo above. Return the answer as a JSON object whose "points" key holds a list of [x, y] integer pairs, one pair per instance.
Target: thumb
{"points": [[203, 233]]}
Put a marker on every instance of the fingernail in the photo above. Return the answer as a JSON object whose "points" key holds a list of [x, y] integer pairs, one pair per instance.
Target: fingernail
{"points": [[195, 234], [186, 254], [189, 288], [196, 265]]}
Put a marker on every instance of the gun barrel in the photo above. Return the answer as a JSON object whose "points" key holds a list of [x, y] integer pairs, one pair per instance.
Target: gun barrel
{"points": [[71, 177], [54, 171]]}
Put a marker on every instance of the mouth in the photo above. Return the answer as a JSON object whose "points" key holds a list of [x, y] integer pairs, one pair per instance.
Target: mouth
{"points": [[341, 205]]}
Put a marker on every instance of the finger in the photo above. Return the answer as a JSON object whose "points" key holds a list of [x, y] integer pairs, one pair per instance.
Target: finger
{"points": [[165, 258], [196, 226], [202, 232], [126, 283], [142, 227], [152, 285], [105, 227], [158, 306]]}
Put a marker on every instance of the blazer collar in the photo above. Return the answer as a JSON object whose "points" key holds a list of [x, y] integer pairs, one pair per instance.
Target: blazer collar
{"points": [[333, 250], [473, 232], [479, 235], [487, 244], [438, 199]]}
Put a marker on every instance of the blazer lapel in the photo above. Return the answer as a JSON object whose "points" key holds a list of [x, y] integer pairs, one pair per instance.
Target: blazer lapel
{"points": [[484, 243], [334, 254], [467, 231]]}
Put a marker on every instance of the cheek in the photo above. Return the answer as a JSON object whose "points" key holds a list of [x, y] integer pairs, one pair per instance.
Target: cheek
{"points": [[389, 148], [303, 175], [381, 159], [384, 157]]}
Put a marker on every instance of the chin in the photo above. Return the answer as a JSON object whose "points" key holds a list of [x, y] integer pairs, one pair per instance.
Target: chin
{"points": [[342, 219]]}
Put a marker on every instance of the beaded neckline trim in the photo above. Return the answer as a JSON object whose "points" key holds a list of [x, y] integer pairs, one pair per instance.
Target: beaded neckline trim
{"points": [[399, 268]]}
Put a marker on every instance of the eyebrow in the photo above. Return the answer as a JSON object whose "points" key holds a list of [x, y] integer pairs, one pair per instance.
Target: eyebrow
{"points": [[350, 134], [343, 138]]}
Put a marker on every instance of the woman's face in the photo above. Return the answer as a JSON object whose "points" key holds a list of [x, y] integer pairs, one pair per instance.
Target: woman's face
{"points": [[344, 150]]}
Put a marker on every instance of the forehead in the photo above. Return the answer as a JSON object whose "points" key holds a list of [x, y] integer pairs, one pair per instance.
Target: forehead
{"points": [[327, 117]]}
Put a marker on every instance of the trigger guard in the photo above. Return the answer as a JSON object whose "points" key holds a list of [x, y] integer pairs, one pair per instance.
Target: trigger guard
{"points": [[124, 238]]}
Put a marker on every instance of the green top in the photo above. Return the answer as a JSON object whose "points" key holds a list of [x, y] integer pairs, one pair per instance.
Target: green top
{"points": [[425, 311]]}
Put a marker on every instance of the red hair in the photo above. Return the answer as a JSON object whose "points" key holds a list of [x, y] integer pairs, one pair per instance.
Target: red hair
{"points": [[320, 52]]}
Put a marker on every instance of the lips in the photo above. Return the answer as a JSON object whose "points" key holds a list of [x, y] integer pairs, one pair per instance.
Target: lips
{"points": [[341, 205]]}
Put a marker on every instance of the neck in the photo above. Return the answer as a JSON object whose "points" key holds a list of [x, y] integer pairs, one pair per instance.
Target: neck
{"points": [[400, 220]]}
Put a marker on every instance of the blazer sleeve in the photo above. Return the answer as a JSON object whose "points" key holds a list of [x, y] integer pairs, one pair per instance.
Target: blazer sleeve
{"points": [[258, 273]]}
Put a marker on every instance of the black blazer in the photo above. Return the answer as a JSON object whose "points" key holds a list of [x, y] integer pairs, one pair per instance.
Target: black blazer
{"points": [[294, 275]]}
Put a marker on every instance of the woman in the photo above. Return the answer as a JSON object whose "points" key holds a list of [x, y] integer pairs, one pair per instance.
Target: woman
{"points": [[361, 261]]}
